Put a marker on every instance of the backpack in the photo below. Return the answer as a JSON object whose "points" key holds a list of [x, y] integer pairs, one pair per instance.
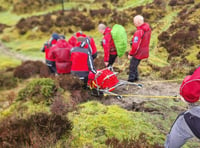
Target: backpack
{"points": [[106, 80], [120, 39], [190, 88]]}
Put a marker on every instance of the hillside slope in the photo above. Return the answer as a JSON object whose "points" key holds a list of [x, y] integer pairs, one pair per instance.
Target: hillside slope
{"points": [[38, 109]]}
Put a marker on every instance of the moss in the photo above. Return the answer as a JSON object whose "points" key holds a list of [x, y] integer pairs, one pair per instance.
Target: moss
{"points": [[9, 111], [38, 90], [192, 58], [94, 123], [8, 62], [133, 3], [24, 109], [7, 81]]}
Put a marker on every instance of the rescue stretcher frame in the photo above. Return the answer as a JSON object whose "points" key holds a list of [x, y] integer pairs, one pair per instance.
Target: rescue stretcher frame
{"points": [[108, 91]]}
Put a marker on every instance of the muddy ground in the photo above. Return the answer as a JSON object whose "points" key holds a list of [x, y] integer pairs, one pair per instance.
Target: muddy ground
{"points": [[150, 88]]}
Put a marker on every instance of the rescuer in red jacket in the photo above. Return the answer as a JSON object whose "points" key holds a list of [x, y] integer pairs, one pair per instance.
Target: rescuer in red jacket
{"points": [[140, 46], [89, 40], [61, 53], [50, 43], [110, 52], [82, 61]]}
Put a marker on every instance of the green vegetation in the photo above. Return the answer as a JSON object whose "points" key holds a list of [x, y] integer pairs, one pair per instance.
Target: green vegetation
{"points": [[94, 123], [38, 89], [8, 62], [133, 3]]}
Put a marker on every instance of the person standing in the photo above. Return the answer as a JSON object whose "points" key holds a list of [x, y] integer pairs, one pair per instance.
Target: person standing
{"points": [[187, 124], [140, 46], [46, 48], [110, 52]]}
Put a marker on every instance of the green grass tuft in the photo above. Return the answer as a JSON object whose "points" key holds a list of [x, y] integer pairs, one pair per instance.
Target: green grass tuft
{"points": [[94, 123]]}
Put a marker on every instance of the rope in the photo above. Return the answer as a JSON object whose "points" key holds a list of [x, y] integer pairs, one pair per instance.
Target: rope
{"points": [[173, 80], [143, 96]]}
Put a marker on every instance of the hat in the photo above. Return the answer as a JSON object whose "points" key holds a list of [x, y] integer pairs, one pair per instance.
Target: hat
{"points": [[80, 34], [190, 87], [62, 37], [55, 36]]}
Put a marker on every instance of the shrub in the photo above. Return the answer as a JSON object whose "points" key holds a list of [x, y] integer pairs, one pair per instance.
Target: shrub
{"points": [[60, 107], [39, 130], [38, 90], [164, 36], [173, 2], [99, 63], [2, 27], [130, 143], [69, 82], [31, 68], [7, 81], [198, 56], [44, 71], [79, 96]]}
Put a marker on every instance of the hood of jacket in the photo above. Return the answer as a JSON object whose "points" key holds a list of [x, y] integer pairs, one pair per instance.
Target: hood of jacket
{"points": [[61, 43], [144, 27]]}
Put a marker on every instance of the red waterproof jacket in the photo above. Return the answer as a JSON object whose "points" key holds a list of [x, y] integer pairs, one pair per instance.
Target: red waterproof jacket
{"points": [[190, 87], [61, 53], [140, 42], [73, 41], [82, 62], [47, 46], [108, 44]]}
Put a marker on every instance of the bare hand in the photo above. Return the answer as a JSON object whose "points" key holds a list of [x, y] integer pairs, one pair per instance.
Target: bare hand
{"points": [[98, 74], [106, 64], [129, 57]]}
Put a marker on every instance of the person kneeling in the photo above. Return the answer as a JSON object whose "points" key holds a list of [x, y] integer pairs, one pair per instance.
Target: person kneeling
{"points": [[82, 63], [187, 124]]}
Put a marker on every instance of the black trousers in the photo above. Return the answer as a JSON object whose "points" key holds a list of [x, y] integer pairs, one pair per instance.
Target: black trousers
{"points": [[111, 60], [133, 69], [52, 66]]}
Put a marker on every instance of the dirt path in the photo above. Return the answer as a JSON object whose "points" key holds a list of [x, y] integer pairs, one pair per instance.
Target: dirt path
{"points": [[150, 88], [7, 51]]}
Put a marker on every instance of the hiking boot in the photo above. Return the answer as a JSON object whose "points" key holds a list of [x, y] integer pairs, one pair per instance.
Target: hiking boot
{"points": [[133, 80]]}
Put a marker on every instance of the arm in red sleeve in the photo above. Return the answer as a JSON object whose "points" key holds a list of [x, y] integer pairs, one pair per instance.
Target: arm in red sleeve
{"points": [[94, 48], [106, 47], [51, 53], [136, 41]]}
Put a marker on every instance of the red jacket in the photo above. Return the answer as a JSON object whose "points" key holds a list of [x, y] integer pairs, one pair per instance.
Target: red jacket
{"points": [[190, 87], [140, 42], [61, 53], [47, 46], [82, 62], [108, 44], [73, 41]]}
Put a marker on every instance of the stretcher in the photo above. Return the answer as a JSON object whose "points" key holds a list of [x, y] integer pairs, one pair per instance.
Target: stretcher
{"points": [[105, 82]]}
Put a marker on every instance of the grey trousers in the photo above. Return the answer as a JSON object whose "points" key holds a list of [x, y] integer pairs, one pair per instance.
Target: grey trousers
{"points": [[179, 134]]}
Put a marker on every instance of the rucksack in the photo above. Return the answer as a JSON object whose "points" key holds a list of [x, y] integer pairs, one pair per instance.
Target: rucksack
{"points": [[106, 80], [119, 36], [190, 88]]}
